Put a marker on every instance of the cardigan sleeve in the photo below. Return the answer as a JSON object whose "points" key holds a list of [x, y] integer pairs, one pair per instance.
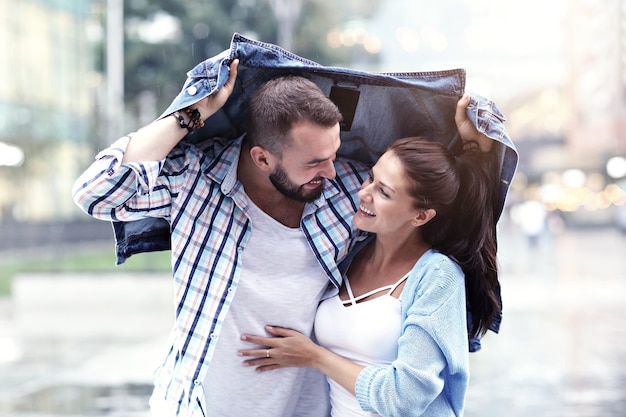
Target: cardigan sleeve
{"points": [[430, 374]]}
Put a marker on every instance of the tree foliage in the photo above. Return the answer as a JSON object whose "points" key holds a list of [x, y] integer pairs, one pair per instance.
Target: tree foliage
{"points": [[205, 28]]}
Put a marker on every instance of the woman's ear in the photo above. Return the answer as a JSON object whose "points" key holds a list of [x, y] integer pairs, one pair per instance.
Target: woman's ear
{"points": [[423, 217]]}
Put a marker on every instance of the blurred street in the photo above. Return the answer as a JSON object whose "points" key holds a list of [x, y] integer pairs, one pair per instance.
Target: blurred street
{"points": [[561, 350], [87, 345]]}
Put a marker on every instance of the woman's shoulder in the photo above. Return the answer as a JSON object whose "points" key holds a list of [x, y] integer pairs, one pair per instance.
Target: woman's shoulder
{"points": [[434, 278], [433, 260]]}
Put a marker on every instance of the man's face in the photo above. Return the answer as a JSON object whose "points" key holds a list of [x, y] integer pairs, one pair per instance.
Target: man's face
{"points": [[289, 189], [299, 174]]}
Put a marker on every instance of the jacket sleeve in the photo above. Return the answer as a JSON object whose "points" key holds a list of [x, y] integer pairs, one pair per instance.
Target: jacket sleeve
{"points": [[116, 191], [432, 363]]}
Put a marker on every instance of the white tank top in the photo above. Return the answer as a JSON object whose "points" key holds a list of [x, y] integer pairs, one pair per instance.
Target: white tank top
{"points": [[365, 332]]}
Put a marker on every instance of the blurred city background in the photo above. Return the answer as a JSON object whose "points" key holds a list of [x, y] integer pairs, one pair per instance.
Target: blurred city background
{"points": [[79, 336]]}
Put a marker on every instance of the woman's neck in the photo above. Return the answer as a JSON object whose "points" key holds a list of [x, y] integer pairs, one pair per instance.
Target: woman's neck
{"points": [[390, 253], [386, 259]]}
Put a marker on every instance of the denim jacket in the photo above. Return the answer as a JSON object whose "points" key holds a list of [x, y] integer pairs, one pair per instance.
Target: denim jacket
{"points": [[377, 108]]}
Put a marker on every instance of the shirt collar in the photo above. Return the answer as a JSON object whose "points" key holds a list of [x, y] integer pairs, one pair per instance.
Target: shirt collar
{"points": [[222, 169]]}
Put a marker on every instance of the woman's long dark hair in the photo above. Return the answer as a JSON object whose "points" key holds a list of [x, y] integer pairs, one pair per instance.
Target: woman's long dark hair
{"points": [[459, 188]]}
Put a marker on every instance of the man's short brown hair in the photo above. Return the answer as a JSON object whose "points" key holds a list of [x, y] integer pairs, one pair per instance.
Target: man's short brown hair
{"points": [[280, 103]]}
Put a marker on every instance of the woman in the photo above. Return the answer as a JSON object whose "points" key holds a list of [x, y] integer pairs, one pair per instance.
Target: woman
{"points": [[393, 341]]}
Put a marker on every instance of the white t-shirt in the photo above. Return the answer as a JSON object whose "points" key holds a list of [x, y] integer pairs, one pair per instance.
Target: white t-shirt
{"points": [[281, 284]]}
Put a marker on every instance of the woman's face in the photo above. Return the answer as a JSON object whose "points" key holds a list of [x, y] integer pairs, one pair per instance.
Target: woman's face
{"points": [[385, 204]]}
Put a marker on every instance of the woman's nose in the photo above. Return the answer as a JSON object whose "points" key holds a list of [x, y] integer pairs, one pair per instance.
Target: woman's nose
{"points": [[364, 191]]}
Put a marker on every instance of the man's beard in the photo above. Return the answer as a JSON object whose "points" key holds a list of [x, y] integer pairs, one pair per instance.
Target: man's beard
{"points": [[293, 191]]}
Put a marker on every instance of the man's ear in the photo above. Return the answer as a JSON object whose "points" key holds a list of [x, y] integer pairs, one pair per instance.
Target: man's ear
{"points": [[262, 158], [423, 217]]}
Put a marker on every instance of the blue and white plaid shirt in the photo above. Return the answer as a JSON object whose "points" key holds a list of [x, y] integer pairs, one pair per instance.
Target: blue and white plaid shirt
{"points": [[197, 191]]}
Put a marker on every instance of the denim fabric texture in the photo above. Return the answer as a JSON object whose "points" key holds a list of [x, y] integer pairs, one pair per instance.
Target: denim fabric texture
{"points": [[378, 108]]}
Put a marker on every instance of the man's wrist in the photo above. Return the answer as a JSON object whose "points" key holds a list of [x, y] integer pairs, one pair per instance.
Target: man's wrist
{"points": [[182, 121], [188, 118]]}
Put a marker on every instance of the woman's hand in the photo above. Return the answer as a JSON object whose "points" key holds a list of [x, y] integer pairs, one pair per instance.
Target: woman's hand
{"points": [[466, 128], [288, 348]]}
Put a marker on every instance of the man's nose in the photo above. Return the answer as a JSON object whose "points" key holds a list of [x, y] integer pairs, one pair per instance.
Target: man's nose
{"points": [[328, 170]]}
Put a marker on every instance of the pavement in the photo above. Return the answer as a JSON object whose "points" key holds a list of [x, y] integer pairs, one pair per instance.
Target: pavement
{"points": [[82, 344], [86, 345], [561, 350]]}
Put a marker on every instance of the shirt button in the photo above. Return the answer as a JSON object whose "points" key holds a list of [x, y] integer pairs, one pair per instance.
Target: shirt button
{"points": [[192, 90], [230, 289], [213, 336], [196, 382]]}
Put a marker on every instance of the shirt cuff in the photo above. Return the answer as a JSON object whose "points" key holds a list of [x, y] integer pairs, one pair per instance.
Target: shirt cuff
{"points": [[146, 172]]}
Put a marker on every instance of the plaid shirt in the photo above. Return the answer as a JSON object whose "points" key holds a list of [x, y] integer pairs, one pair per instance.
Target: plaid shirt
{"points": [[196, 189]]}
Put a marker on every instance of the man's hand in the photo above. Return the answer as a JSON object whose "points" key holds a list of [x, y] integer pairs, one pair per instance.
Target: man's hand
{"points": [[154, 141], [466, 128], [208, 106]]}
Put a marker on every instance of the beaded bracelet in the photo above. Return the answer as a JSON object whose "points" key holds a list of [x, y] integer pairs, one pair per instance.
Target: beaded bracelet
{"points": [[195, 119], [181, 120]]}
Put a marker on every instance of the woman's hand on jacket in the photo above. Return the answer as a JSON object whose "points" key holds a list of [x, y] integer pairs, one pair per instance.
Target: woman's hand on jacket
{"points": [[466, 128]]}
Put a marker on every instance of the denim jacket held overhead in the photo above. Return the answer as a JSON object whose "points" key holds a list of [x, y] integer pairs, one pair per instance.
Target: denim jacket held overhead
{"points": [[377, 109]]}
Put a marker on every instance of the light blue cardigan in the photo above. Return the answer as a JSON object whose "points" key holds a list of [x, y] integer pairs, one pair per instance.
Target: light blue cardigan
{"points": [[431, 374]]}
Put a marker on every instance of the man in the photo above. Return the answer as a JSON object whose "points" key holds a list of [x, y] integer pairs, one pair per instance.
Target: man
{"points": [[246, 218]]}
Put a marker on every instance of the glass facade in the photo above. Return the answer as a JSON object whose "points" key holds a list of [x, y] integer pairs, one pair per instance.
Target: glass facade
{"points": [[47, 102]]}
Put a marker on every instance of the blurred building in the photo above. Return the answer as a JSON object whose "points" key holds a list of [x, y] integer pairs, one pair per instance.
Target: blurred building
{"points": [[578, 179], [570, 135], [47, 104], [597, 49]]}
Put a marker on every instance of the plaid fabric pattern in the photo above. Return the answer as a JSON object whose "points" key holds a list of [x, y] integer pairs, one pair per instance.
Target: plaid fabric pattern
{"points": [[196, 189]]}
